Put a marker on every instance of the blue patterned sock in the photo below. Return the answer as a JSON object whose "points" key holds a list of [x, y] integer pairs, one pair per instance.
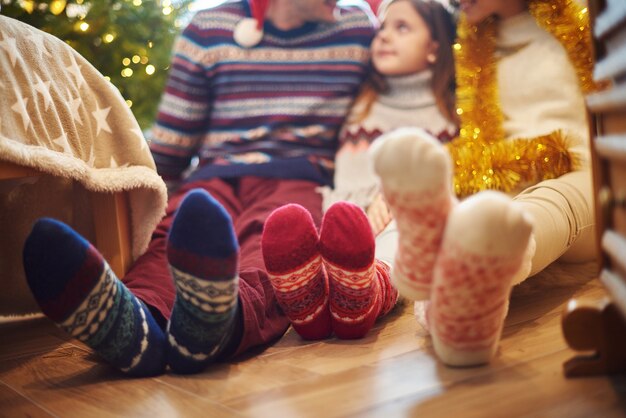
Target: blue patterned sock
{"points": [[76, 288], [203, 254]]}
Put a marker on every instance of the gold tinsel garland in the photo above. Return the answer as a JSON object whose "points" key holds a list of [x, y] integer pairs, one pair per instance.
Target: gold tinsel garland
{"points": [[483, 159]]}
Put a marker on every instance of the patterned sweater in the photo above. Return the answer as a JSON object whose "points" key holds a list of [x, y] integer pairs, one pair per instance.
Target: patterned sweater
{"points": [[409, 101], [273, 110]]}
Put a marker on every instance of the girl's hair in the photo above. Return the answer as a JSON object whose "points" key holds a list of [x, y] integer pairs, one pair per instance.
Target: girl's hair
{"points": [[442, 30]]}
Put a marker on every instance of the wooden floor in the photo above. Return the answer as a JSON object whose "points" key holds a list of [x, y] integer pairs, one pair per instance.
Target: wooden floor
{"points": [[391, 373]]}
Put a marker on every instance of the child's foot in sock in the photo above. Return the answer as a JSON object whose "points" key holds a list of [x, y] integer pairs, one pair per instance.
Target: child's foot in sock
{"points": [[360, 290], [294, 265], [76, 288], [416, 177], [203, 254], [484, 248]]}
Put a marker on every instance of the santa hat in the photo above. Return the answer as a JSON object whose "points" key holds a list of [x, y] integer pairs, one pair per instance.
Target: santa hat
{"points": [[249, 31]]}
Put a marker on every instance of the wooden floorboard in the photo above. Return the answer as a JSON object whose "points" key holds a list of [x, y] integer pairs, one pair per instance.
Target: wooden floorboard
{"points": [[392, 372], [13, 404]]}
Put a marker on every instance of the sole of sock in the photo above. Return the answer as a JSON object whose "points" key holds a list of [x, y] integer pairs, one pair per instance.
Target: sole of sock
{"points": [[415, 172], [483, 250], [347, 247], [294, 265], [203, 254]]}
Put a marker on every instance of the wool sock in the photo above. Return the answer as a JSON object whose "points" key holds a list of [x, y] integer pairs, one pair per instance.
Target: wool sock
{"points": [[485, 245], [77, 289], [203, 254], [294, 265], [416, 178], [360, 289]]}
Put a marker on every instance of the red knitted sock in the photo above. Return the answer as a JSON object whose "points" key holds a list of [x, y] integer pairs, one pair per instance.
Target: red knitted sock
{"points": [[360, 289], [294, 265]]}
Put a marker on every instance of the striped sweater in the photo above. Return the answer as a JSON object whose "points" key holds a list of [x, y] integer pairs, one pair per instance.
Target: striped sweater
{"points": [[273, 110]]}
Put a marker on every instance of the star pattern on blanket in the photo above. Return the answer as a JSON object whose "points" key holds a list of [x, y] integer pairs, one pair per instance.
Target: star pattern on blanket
{"points": [[91, 162], [63, 143], [100, 115], [10, 46], [43, 88], [142, 139], [60, 116], [74, 69], [20, 108], [75, 105], [39, 44], [26, 103]]}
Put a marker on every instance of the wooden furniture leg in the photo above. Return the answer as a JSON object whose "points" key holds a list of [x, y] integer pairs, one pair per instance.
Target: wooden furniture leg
{"points": [[111, 214], [112, 227], [597, 328], [13, 171]]}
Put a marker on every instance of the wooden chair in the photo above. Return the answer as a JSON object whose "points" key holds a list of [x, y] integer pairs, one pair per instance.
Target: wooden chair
{"points": [[600, 328], [111, 219]]}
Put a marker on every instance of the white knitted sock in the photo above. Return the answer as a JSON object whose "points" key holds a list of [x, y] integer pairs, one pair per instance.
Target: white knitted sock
{"points": [[486, 244], [416, 177]]}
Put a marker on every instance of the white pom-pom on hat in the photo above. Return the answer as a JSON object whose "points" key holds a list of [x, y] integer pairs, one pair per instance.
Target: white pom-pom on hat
{"points": [[249, 31]]}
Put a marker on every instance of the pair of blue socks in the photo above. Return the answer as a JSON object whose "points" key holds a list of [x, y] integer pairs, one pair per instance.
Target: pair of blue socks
{"points": [[75, 287]]}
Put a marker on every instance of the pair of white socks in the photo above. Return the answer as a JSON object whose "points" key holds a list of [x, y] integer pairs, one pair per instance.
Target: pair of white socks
{"points": [[462, 256]]}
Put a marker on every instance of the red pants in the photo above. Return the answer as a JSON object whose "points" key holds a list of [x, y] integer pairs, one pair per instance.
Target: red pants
{"points": [[249, 201]]}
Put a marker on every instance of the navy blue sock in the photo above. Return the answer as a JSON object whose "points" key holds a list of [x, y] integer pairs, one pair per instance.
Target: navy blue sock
{"points": [[76, 288], [203, 254]]}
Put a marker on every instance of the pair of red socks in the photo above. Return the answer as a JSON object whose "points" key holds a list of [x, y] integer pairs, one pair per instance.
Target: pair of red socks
{"points": [[328, 282]]}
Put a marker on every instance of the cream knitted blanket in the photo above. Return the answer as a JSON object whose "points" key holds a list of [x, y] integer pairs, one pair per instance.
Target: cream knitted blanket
{"points": [[59, 115]]}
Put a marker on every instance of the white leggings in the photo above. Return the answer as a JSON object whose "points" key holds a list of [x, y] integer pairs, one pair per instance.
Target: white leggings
{"points": [[563, 215], [564, 220]]}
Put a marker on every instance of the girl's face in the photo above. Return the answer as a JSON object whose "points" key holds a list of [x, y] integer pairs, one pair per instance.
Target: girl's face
{"points": [[476, 11], [403, 43]]}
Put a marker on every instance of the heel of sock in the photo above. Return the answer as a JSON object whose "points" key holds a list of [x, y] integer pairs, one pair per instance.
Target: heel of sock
{"points": [[203, 255], [473, 277], [348, 248]]}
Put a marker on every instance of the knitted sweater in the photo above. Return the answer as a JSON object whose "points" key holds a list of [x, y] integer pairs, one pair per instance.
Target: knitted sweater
{"points": [[409, 101], [273, 110], [538, 86]]}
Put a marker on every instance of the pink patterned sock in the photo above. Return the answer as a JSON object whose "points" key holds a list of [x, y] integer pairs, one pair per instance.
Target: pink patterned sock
{"points": [[415, 172], [484, 249], [294, 265], [360, 289]]}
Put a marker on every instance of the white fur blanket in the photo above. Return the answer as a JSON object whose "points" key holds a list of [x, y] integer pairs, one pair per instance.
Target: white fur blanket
{"points": [[59, 115]]}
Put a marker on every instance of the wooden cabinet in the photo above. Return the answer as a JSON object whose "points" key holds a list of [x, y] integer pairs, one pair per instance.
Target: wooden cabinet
{"points": [[601, 328]]}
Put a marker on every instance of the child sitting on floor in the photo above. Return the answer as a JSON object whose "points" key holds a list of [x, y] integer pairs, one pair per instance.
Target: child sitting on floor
{"points": [[522, 68], [338, 280]]}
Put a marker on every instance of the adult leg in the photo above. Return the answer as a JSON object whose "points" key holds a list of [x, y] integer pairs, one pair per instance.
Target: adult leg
{"points": [[563, 218], [203, 255], [149, 278], [76, 288]]}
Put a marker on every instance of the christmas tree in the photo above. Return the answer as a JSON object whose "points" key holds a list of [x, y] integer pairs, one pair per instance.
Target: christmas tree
{"points": [[128, 41]]}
